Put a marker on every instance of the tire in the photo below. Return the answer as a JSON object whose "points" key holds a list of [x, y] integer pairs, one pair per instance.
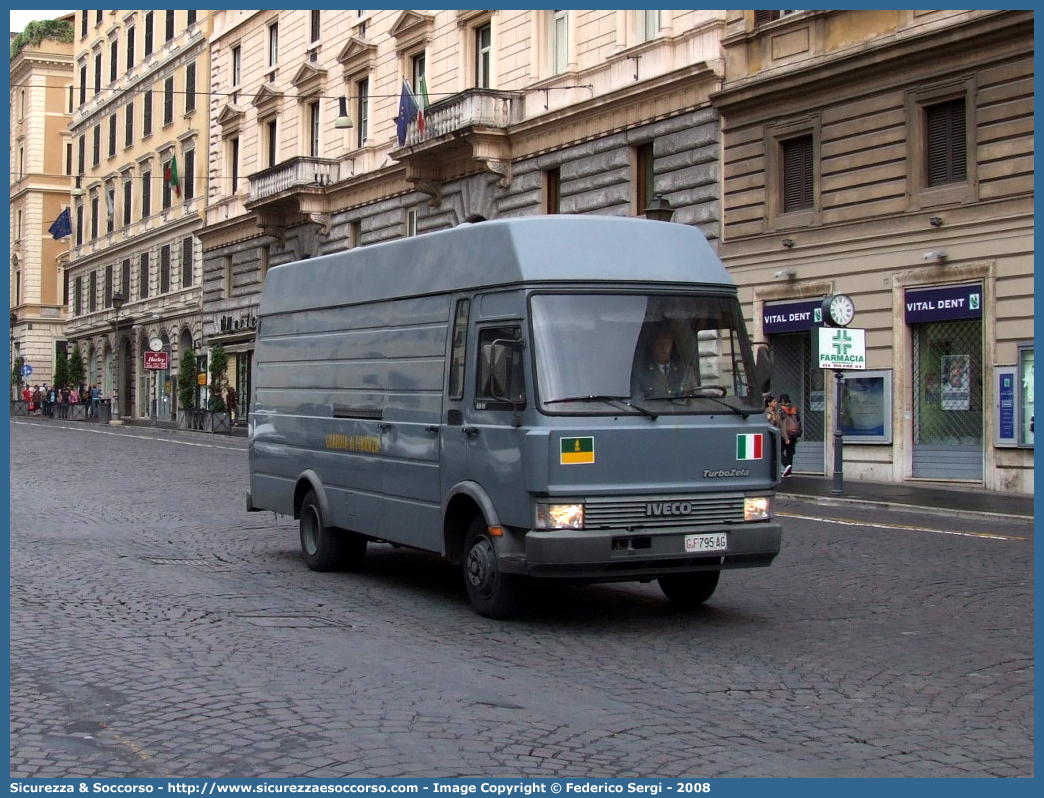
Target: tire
{"points": [[689, 590], [325, 548], [493, 594]]}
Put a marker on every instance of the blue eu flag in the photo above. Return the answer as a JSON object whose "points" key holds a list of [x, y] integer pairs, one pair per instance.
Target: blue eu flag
{"points": [[407, 112], [62, 226]]}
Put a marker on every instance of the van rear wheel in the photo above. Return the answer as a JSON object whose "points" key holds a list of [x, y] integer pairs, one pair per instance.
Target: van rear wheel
{"points": [[689, 590], [493, 594], [325, 548]]}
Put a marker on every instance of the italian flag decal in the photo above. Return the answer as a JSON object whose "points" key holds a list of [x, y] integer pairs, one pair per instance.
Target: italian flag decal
{"points": [[749, 447], [577, 450]]}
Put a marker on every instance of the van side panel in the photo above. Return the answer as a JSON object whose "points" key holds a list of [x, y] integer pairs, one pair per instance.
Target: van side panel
{"points": [[351, 392]]}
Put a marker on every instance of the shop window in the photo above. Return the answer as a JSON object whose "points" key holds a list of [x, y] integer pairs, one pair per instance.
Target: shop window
{"points": [[1026, 394]]}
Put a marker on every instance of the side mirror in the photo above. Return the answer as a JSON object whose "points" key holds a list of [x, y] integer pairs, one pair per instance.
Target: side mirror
{"points": [[763, 370]]}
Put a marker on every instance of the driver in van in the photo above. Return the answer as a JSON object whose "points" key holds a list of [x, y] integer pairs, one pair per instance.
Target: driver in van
{"points": [[661, 373]]}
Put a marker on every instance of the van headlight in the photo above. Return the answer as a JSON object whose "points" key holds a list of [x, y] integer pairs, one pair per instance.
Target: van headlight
{"points": [[756, 508], [559, 516]]}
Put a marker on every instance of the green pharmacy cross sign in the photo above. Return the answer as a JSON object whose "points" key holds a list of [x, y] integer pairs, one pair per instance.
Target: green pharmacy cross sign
{"points": [[842, 348]]}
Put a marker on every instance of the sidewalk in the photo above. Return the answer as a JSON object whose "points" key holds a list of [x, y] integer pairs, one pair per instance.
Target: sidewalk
{"points": [[956, 499]]}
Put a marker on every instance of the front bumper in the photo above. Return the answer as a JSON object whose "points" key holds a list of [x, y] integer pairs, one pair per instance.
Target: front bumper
{"points": [[606, 555]]}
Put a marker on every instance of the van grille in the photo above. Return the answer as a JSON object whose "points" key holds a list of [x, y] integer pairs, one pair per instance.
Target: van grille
{"points": [[662, 511]]}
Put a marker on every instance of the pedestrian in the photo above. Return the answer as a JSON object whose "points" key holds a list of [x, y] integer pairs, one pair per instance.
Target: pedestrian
{"points": [[775, 418], [790, 415], [232, 402], [74, 396], [95, 400], [37, 400], [52, 402], [63, 403]]}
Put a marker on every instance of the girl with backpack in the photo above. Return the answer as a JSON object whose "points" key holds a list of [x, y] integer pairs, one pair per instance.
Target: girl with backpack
{"points": [[790, 418]]}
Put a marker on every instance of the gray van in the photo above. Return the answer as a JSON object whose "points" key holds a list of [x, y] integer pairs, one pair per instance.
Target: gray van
{"points": [[554, 397]]}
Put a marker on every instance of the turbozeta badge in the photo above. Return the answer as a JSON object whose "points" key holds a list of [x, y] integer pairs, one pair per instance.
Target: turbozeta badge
{"points": [[577, 450]]}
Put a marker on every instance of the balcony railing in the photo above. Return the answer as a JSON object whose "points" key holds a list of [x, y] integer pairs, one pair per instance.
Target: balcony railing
{"points": [[470, 108], [293, 174]]}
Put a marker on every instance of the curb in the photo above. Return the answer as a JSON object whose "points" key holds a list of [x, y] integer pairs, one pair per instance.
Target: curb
{"points": [[879, 504]]}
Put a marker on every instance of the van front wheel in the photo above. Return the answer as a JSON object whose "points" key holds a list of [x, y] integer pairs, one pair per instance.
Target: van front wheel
{"points": [[493, 594], [689, 590], [323, 547]]}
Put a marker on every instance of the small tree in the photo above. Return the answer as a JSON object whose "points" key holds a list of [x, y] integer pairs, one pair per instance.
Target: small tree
{"points": [[61, 370], [218, 372], [188, 377], [16, 376], [77, 372]]}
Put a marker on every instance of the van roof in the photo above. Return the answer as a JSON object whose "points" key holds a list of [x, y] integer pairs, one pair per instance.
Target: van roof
{"points": [[560, 248]]}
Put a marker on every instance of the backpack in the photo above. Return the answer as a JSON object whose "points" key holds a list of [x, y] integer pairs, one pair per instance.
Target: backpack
{"points": [[791, 423]]}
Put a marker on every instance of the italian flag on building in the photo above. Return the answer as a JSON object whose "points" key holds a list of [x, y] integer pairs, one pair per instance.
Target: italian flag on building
{"points": [[749, 447], [171, 176]]}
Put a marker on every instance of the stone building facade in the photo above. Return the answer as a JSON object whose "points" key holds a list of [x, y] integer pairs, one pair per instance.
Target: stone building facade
{"points": [[888, 155], [139, 134], [39, 145]]}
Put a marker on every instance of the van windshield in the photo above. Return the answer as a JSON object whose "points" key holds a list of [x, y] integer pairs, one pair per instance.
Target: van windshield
{"points": [[649, 354]]}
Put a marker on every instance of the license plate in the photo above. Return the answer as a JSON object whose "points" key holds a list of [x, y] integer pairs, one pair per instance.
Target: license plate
{"points": [[717, 541]]}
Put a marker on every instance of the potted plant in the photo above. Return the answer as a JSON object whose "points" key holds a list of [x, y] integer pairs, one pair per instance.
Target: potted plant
{"points": [[189, 416], [220, 418], [77, 374]]}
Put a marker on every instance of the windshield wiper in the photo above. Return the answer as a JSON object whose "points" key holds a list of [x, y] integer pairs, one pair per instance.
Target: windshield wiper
{"points": [[622, 400], [698, 393]]}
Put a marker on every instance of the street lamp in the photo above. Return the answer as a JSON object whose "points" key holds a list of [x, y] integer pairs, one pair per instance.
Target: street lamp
{"points": [[117, 303], [659, 209]]}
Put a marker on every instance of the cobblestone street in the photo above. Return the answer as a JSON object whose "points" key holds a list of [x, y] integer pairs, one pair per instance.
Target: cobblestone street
{"points": [[159, 630]]}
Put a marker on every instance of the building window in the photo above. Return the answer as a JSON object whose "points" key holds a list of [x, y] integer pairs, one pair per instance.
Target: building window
{"points": [[83, 83], [81, 154], [83, 24], [237, 61], [419, 68], [313, 129], [78, 297], [411, 222], [165, 269], [168, 101], [146, 114], [94, 217], [233, 163], [190, 175], [146, 194], [92, 292], [147, 49], [190, 88], [114, 50], [130, 47], [186, 262], [143, 276], [947, 156], [363, 110], [644, 178], [798, 174], [125, 278], [553, 190], [763, 17], [165, 192], [112, 135], [107, 288], [79, 225], [316, 26], [271, 141], [273, 44], [648, 25], [96, 145], [97, 73], [128, 125], [558, 41], [68, 158], [190, 17], [127, 204], [169, 30], [483, 54]]}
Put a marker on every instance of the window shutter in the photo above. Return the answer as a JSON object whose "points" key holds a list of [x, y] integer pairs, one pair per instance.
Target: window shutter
{"points": [[761, 17], [947, 155], [798, 187]]}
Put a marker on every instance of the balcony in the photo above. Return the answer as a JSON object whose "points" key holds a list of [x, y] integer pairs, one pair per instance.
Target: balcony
{"points": [[291, 193], [463, 129]]}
